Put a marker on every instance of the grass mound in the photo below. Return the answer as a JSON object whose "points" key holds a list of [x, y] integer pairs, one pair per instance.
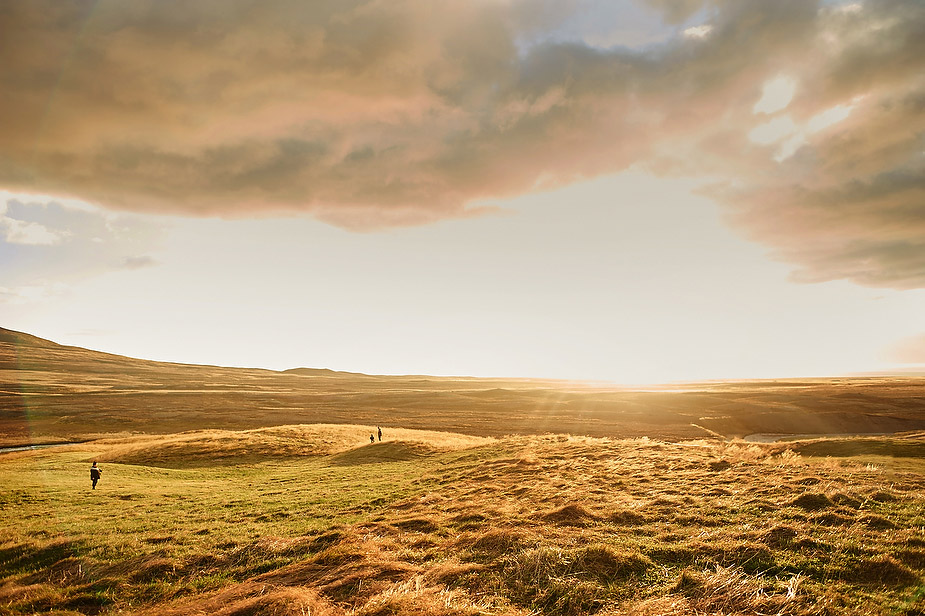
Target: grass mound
{"points": [[544, 579], [846, 500], [572, 514], [224, 447], [494, 543], [152, 569], [628, 517], [417, 525], [608, 563], [878, 569], [811, 501], [912, 446], [382, 452], [876, 521], [730, 590], [781, 535], [412, 600], [252, 599], [832, 518]]}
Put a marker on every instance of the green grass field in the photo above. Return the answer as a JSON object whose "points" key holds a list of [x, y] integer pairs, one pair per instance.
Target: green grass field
{"points": [[310, 520]]}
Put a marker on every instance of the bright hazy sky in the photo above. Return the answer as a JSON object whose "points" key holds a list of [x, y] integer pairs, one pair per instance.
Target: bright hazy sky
{"points": [[633, 191]]}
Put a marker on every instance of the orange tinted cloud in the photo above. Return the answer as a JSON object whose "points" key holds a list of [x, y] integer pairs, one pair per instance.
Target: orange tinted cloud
{"points": [[375, 114]]}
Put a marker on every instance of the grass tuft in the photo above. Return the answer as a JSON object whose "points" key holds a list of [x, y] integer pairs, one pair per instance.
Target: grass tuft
{"points": [[153, 569], [877, 522], [812, 501], [494, 543], [883, 497], [572, 514], [845, 500], [832, 519], [628, 517], [607, 563], [878, 569], [732, 591], [419, 525], [781, 535]]}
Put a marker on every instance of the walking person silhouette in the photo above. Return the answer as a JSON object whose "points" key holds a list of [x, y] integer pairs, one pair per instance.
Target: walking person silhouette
{"points": [[95, 473]]}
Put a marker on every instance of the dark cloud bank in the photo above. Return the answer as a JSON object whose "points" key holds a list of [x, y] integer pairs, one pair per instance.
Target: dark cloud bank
{"points": [[376, 114]]}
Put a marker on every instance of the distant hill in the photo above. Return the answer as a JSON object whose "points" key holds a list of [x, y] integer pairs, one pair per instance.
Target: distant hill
{"points": [[51, 393], [23, 351], [20, 339], [323, 372]]}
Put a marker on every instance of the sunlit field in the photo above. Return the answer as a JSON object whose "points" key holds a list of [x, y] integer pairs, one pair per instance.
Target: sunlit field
{"points": [[52, 393], [316, 520], [257, 493], [488, 308]]}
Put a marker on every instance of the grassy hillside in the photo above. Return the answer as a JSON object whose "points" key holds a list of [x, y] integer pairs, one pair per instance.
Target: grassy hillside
{"points": [[53, 393], [315, 520], [246, 492]]}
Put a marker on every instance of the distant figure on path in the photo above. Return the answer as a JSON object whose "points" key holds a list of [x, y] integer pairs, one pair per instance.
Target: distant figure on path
{"points": [[372, 439], [95, 473], [380, 433]]}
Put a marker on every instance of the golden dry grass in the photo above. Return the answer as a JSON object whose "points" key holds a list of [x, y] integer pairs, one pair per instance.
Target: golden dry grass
{"points": [[224, 494], [522, 525], [211, 447]]}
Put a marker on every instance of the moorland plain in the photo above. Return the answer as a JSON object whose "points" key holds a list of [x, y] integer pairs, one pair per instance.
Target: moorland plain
{"points": [[54, 393], [245, 492], [436, 523]]}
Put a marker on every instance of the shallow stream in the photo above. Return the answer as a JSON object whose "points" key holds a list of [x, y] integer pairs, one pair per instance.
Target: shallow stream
{"points": [[768, 437], [29, 447]]}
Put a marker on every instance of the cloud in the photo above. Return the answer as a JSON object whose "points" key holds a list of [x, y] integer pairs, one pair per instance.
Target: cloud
{"points": [[376, 114], [42, 291], [30, 233], [17, 231], [138, 262], [776, 95], [677, 11], [42, 238]]}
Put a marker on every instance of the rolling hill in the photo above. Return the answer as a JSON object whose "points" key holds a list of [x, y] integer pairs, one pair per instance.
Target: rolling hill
{"points": [[55, 393]]}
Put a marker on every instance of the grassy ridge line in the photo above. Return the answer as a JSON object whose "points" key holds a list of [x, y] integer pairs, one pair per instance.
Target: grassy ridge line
{"points": [[216, 447], [554, 524]]}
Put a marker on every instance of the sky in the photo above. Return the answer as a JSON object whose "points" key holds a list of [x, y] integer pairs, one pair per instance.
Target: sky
{"points": [[632, 191]]}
